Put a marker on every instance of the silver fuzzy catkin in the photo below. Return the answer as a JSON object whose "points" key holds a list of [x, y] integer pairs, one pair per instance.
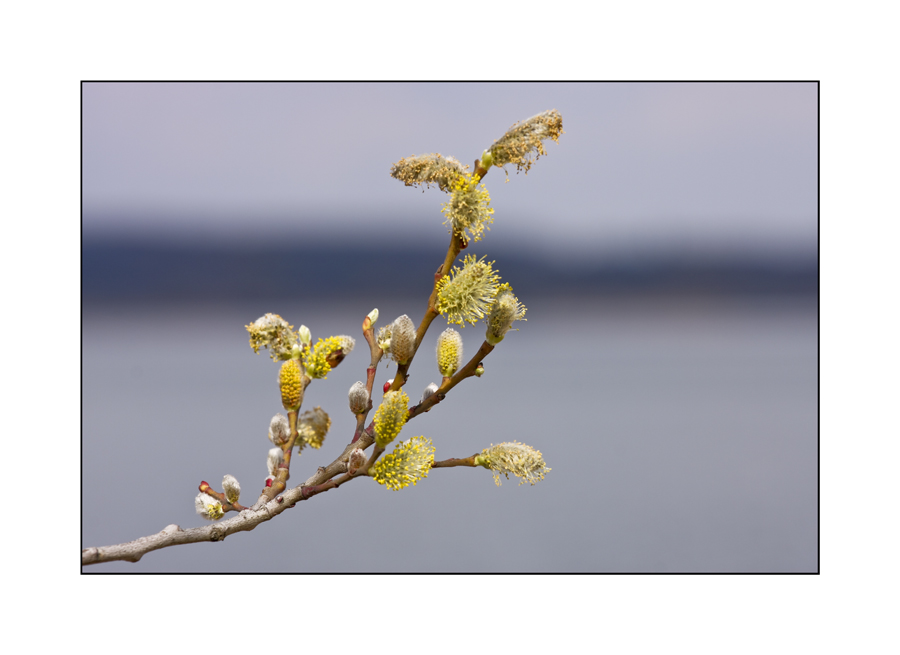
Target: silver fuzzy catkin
{"points": [[359, 398], [279, 430], [403, 339]]}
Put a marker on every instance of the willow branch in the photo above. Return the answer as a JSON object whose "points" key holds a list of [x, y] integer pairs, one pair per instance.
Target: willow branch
{"points": [[448, 463], [431, 312]]}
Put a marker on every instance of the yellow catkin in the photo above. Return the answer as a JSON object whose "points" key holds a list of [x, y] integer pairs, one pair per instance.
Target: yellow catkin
{"points": [[290, 382], [410, 462], [391, 416]]}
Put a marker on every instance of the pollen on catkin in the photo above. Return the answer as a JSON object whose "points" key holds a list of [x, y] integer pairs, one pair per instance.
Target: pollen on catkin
{"points": [[410, 462], [468, 212], [513, 457], [208, 507], [291, 385], [326, 354], [383, 338], [312, 427], [428, 169], [274, 333], [466, 294], [449, 352], [521, 145], [345, 347], [504, 311], [391, 416]]}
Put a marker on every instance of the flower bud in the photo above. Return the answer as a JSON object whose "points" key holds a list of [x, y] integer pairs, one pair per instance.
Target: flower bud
{"points": [[370, 319], [479, 370], [279, 430], [359, 398], [304, 335], [274, 460], [487, 159], [356, 459], [403, 339], [208, 507], [387, 385], [429, 392], [290, 382], [449, 352], [232, 489]]}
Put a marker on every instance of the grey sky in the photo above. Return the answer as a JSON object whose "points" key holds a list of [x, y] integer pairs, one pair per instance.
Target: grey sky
{"points": [[697, 167]]}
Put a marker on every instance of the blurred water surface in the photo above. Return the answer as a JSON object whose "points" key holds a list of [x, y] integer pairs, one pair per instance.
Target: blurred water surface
{"points": [[682, 434]]}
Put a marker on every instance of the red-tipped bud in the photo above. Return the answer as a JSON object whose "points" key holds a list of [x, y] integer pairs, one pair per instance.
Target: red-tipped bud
{"points": [[387, 385], [204, 485], [268, 482], [480, 370]]}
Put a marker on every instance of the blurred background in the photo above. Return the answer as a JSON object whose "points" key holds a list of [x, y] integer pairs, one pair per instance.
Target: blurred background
{"points": [[666, 249]]}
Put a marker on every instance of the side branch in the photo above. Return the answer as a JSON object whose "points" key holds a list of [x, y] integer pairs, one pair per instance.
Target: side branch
{"points": [[453, 461], [448, 383], [431, 312], [173, 535]]}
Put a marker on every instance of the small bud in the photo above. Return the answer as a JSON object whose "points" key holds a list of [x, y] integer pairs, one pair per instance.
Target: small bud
{"points": [[480, 370], [359, 398], [204, 485], [274, 460], [356, 459], [304, 335], [449, 352], [429, 392], [208, 507], [289, 381], [370, 319], [279, 430], [269, 480], [387, 385], [487, 159], [231, 488], [403, 339]]}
